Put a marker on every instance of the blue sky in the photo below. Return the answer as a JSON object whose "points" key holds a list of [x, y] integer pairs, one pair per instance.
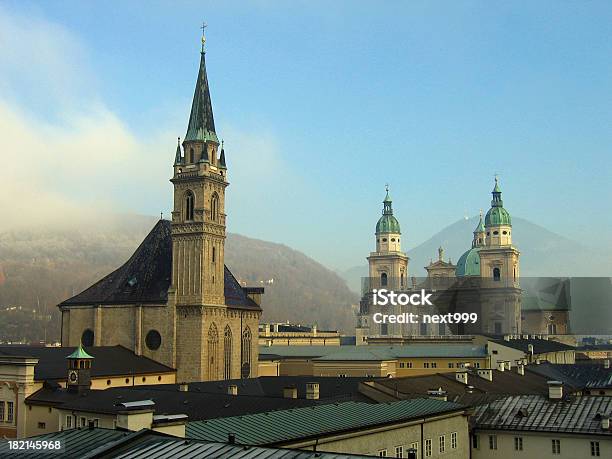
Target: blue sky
{"points": [[320, 104]]}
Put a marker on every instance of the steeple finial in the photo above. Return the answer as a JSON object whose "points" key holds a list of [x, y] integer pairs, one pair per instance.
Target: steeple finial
{"points": [[203, 36], [497, 200]]}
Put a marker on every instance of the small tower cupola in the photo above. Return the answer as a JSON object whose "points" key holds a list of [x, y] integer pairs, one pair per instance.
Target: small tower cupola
{"points": [[498, 224], [79, 368], [479, 233], [388, 228]]}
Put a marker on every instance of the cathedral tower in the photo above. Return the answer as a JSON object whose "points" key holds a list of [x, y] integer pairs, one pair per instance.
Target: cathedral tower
{"points": [[388, 264], [499, 270], [198, 218], [499, 259]]}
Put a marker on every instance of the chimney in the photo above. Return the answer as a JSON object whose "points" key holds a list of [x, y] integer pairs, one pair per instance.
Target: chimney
{"points": [[555, 390], [520, 369], [437, 394], [537, 361], [507, 364], [184, 387], [232, 389], [462, 377], [607, 363], [501, 366], [231, 438], [605, 423], [290, 392], [486, 373], [312, 391], [314, 330], [530, 349]]}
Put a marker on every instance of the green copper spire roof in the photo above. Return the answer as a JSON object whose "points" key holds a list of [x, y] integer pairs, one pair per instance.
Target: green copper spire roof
{"points": [[79, 353], [480, 227], [497, 215], [178, 158], [201, 126], [222, 157], [387, 223]]}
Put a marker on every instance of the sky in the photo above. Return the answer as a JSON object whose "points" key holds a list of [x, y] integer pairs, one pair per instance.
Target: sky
{"points": [[320, 105]]}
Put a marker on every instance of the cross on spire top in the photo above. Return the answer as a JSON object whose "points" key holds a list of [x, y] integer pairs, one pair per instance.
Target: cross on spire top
{"points": [[204, 25]]}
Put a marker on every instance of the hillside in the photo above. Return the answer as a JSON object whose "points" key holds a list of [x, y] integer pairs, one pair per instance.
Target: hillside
{"points": [[41, 267]]}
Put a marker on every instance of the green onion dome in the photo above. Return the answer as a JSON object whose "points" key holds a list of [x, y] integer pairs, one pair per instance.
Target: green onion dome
{"points": [[387, 223]]}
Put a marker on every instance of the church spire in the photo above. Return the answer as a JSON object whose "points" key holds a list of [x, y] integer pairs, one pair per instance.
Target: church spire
{"points": [[201, 126], [222, 157], [178, 158]]}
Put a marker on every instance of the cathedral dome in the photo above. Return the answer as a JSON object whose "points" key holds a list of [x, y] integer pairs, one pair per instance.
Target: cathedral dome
{"points": [[469, 263], [387, 224], [498, 216]]}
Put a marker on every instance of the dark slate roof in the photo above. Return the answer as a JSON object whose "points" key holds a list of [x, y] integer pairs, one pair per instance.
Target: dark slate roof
{"points": [[580, 376], [540, 346], [145, 277], [331, 388], [280, 427], [86, 443], [504, 383], [195, 404], [536, 413], [108, 361]]}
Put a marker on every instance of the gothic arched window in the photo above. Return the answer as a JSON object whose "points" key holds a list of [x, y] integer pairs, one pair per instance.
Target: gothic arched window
{"points": [[227, 353], [213, 347], [496, 274], [383, 279], [191, 155], [189, 205], [214, 207], [245, 351]]}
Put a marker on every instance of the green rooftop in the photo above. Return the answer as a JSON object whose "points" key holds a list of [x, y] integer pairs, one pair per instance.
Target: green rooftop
{"points": [[79, 353], [276, 427]]}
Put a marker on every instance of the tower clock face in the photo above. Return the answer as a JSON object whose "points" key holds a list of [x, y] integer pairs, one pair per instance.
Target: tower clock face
{"points": [[73, 376]]}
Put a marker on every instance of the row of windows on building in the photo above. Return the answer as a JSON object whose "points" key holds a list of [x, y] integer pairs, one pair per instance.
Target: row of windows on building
{"points": [[7, 411], [412, 451], [519, 445], [189, 207], [435, 364]]}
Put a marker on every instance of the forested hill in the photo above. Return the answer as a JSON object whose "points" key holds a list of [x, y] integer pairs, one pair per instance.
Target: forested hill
{"points": [[40, 267]]}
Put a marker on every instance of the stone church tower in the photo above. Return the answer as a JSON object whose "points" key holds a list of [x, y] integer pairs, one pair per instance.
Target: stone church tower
{"points": [[174, 300]]}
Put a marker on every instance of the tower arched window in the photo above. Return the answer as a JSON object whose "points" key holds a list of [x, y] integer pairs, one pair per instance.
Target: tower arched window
{"points": [[213, 348], [227, 353], [214, 255], [214, 207], [496, 274], [189, 205], [245, 352], [191, 155], [383, 280]]}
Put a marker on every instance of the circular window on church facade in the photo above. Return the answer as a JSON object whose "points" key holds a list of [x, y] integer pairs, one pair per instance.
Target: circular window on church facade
{"points": [[153, 340], [87, 338]]}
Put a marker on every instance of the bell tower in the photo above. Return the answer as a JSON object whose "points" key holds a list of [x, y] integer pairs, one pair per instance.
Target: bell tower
{"points": [[198, 218], [79, 368]]}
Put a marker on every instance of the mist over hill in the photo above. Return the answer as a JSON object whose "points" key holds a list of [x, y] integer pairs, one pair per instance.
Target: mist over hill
{"points": [[40, 267]]}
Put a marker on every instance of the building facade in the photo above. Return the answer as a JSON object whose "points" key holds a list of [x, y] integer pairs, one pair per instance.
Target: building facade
{"points": [[175, 301]]}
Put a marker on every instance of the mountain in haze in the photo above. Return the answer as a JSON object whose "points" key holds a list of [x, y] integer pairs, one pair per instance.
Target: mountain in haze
{"points": [[543, 254], [40, 267]]}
